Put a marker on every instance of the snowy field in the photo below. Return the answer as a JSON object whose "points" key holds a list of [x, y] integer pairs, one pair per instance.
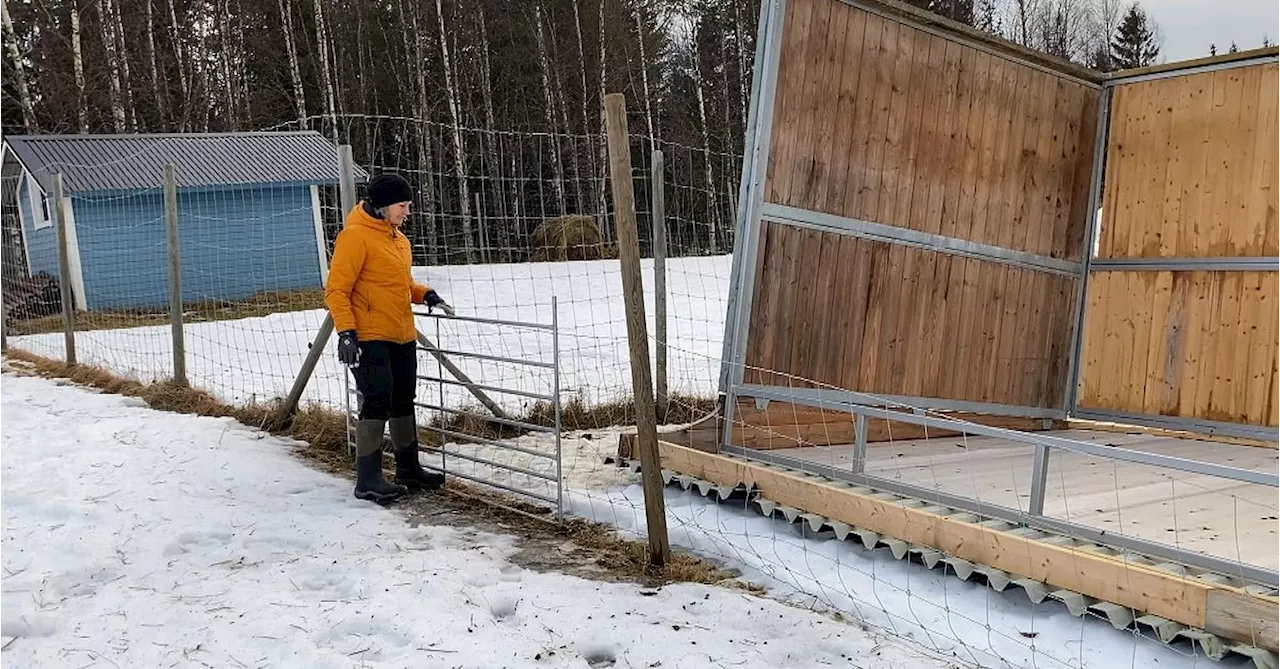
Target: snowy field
{"points": [[256, 359], [134, 538]]}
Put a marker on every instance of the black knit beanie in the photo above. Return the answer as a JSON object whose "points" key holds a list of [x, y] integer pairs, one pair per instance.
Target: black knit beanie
{"points": [[387, 189]]}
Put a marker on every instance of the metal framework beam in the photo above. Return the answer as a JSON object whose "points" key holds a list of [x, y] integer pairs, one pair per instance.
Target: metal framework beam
{"points": [[1046, 524], [806, 395], [772, 19], [1073, 445], [1202, 426], [923, 240], [1121, 78], [1222, 264], [1091, 232]]}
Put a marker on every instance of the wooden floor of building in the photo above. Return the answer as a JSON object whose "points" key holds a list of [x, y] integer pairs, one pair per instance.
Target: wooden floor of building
{"points": [[1228, 519]]}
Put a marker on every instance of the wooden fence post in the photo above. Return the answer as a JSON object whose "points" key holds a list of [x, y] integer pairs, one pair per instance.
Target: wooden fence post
{"points": [[624, 211], [4, 330], [175, 273], [659, 223], [64, 270]]}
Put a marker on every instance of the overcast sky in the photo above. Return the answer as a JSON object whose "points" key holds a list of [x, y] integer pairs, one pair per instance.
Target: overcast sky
{"points": [[1190, 26]]}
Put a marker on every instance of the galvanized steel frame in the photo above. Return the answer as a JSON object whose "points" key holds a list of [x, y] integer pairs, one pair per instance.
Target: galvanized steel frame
{"points": [[752, 210], [806, 395], [1032, 438], [1181, 423], [751, 198], [1091, 231], [917, 239], [1204, 264], [1155, 264], [553, 328], [1017, 516], [1120, 78]]}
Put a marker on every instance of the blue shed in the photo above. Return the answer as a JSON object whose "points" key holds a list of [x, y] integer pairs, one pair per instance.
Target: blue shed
{"points": [[249, 211]]}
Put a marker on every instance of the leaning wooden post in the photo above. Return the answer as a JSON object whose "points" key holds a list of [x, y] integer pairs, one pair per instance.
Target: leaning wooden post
{"points": [[347, 201], [659, 221], [175, 273], [624, 212], [64, 270]]}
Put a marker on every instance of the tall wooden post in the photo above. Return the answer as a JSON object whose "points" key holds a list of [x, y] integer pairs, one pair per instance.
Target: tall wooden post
{"points": [[659, 221], [624, 211], [4, 330], [64, 269], [175, 273]]}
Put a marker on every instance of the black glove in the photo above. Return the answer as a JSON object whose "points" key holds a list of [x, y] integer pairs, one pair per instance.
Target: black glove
{"points": [[348, 348], [433, 299]]}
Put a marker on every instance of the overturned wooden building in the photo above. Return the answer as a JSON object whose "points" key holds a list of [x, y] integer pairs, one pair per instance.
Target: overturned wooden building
{"points": [[942, 233]]}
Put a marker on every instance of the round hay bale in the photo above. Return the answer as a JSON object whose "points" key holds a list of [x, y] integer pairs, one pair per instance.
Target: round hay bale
{"points": [[571, 237]]}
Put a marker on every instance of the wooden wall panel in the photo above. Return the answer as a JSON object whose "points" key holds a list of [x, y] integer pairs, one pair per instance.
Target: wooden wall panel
{"points": [[1192, 344], [879, 121], [884, 324], [1191, 166], [1190, 173]]}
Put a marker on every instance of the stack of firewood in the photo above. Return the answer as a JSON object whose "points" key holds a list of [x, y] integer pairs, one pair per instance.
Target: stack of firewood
{"points": [[31, 297]]}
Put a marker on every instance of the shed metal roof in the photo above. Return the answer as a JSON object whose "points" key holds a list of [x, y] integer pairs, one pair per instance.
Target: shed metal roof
{"points": [[126, 162]]}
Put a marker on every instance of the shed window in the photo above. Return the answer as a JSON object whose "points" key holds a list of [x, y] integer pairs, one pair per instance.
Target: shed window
{"points": [[41, 213]]}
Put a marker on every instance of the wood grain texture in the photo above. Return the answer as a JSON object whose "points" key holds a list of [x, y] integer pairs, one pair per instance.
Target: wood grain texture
{"points": [[1191, 172], [1191, 166], [880, 328], [877, 120], [1192, 344]]}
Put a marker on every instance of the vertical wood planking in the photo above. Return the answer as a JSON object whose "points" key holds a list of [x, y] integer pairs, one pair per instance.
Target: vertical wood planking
{"points": [[1190, 173], [880, 121], [788, 98]]}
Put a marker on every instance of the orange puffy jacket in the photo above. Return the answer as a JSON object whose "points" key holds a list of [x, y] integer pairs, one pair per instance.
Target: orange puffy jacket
{"points": [[371, 289]]}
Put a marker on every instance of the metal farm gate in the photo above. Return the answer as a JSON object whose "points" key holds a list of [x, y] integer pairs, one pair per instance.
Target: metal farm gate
{"points": [[516, 452]]}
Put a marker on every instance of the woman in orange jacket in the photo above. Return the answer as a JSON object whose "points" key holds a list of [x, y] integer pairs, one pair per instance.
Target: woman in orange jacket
{"points": [[370, 294]]}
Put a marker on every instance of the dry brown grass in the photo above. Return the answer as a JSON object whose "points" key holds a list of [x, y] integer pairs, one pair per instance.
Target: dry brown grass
{"points": [[575, 415], [324, 433], [206, 311]]}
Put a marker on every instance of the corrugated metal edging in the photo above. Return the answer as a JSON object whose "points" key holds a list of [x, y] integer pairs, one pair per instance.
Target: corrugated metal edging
{"points": [[813, 526], [92, 163]]}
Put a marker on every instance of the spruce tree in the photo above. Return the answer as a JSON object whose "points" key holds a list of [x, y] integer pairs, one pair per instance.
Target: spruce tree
{"points": [[1134, 44]]}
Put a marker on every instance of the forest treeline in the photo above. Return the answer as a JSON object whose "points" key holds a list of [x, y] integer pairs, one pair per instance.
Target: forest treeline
{"points": [[494, 104]]}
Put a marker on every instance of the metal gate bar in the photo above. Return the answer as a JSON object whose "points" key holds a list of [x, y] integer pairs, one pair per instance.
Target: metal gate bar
{"points": [[553, 397], [1043, 444]]}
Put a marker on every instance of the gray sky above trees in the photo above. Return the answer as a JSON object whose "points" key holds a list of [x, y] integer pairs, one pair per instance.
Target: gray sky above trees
{"points": [[1190, 26]]}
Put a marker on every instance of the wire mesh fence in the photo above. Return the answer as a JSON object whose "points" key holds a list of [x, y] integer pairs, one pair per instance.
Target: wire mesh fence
{"points": [[495, 242]]}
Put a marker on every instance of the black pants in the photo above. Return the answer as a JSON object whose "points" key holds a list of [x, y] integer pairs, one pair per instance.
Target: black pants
{"points": [[387, 379]]}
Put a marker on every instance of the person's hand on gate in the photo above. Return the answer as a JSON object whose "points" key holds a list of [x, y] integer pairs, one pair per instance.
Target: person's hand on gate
{"points": [[348, 348], [433, 300]]}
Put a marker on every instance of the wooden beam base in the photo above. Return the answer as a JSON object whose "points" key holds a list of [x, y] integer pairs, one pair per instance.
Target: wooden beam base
{"points": [[1228, 612]]}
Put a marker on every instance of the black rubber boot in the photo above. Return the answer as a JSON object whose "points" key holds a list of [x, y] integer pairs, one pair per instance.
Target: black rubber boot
{"points": [[369, 482], [409, 470]]}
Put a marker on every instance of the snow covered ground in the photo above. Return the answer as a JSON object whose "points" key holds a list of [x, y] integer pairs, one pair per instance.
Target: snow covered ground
{"points": [[942, 613], [256, 359], [133, 538]]}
